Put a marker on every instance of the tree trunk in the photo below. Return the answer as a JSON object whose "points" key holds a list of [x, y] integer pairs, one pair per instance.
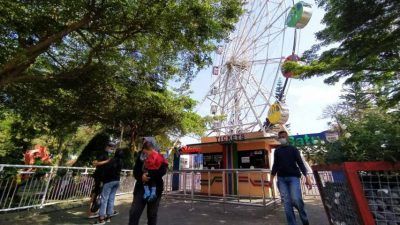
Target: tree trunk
{"points": [[132, 137], [59, 150]]}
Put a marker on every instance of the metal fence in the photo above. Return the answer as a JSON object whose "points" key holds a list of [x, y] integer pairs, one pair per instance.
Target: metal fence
{"points": [[227, 186], [313, 192], [250, 186], [25, 186]]}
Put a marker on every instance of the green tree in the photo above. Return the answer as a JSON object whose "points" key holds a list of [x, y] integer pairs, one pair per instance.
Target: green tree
{"points": [[63, 40], [367, 131], [278, 89], [66, 65], [360, 42], [373, 138]]}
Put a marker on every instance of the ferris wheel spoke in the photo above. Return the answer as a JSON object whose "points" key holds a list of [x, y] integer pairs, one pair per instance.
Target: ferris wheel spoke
{"points": [[254, 28], [261, 35], [249, 30], [243, 28], [260, 48]]}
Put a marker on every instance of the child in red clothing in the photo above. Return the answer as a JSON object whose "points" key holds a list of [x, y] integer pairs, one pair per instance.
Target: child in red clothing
{"points": [[152, 163]]}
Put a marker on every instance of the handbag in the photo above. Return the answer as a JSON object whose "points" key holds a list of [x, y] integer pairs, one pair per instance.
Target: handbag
{"points": [[96, 204]]}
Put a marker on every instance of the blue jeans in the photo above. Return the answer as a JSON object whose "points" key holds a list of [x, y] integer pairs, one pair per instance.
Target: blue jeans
{"points": [[289, 188], [108, 198]]}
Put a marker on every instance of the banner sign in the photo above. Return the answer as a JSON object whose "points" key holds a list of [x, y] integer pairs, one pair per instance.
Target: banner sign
{"points": [[310, 139]]}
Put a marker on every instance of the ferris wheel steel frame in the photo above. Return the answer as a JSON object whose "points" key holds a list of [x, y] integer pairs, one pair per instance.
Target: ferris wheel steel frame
{"points": [[241, 96]]}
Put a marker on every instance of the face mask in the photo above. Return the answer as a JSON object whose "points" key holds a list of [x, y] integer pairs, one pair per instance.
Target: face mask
{"points": [[110, 151], [283, 141]]}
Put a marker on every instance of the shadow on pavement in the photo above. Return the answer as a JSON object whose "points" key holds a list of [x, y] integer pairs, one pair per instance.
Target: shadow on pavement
{"points": [[174, 212]]}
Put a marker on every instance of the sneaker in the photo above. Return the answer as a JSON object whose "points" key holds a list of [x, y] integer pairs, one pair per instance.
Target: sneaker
{"points": [[108, 219], [114, 213], [92, 216], [99, 222]]}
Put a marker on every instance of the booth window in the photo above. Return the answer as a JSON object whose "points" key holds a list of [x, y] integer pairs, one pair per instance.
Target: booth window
{"points": [[255, 158], [212, 160]]}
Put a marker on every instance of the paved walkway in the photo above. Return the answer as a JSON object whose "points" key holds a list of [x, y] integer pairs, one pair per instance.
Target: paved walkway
{"points": [[173, 212]]}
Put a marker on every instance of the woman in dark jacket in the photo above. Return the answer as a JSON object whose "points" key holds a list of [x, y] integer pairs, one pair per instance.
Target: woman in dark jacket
{"points": [[139, 202], [110, 179]]}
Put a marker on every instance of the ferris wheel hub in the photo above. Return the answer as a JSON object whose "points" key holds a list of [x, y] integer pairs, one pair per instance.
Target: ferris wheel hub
{"points": [[239, 64]]}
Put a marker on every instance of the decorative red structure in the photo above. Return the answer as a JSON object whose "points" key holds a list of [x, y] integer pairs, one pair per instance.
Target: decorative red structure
{"points": [[38, 152], [365, 193]]}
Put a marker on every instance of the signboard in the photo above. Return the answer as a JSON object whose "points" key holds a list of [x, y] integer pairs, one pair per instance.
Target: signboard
{"points": [[234, 137], [190, 150], [308, 139]]}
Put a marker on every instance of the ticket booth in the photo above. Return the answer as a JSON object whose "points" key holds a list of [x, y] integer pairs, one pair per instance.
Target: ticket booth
{"points": [[238, 151]]}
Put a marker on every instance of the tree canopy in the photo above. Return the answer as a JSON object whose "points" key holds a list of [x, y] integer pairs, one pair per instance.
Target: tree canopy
{"points": [[67, 39], [70, 64], [360, 42], [367, 131]]}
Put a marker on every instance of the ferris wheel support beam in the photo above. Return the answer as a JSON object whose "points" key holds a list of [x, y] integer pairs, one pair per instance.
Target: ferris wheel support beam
{"points": [[251, 107]]}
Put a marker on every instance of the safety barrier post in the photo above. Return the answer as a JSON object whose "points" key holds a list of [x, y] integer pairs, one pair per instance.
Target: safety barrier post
{"points": [[192, 192], [237, 185], [263, 191], [223, 190], [46, 189]]}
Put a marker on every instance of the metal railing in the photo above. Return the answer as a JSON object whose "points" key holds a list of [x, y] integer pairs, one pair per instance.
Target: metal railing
{"points": [[28, 186], [313, 192], [25, 186], [227, 186]]}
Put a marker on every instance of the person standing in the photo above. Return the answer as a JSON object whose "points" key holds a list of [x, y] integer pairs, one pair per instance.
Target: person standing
{"points": [[288, 166], [142, 177], [101, 158], [152, 164], [110, 179]]}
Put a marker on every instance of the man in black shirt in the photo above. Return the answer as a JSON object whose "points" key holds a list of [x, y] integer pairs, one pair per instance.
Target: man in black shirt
{"points": [[288, 164]]}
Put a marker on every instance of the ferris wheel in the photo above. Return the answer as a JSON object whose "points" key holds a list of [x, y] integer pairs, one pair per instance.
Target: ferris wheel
{"points": [[247, 66]]}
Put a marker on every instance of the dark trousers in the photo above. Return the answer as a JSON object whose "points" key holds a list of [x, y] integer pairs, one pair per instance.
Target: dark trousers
{"points": [[138, 206]]}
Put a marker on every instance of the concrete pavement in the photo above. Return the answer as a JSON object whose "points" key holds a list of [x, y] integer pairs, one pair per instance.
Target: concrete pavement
{"points": [[173, 212]]}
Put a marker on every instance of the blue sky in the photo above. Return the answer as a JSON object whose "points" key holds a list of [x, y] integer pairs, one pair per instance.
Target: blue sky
{"points": [[306, 99]]}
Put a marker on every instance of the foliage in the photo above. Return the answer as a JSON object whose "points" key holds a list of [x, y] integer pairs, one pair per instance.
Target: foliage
{"points": [[360, 42], [63, 40], [70, 65], [367, 131], [373, 138], [278, 89]]}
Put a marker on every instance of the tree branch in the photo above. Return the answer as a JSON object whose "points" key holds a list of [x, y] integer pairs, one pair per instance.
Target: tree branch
{"points": [[22, 61]]}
